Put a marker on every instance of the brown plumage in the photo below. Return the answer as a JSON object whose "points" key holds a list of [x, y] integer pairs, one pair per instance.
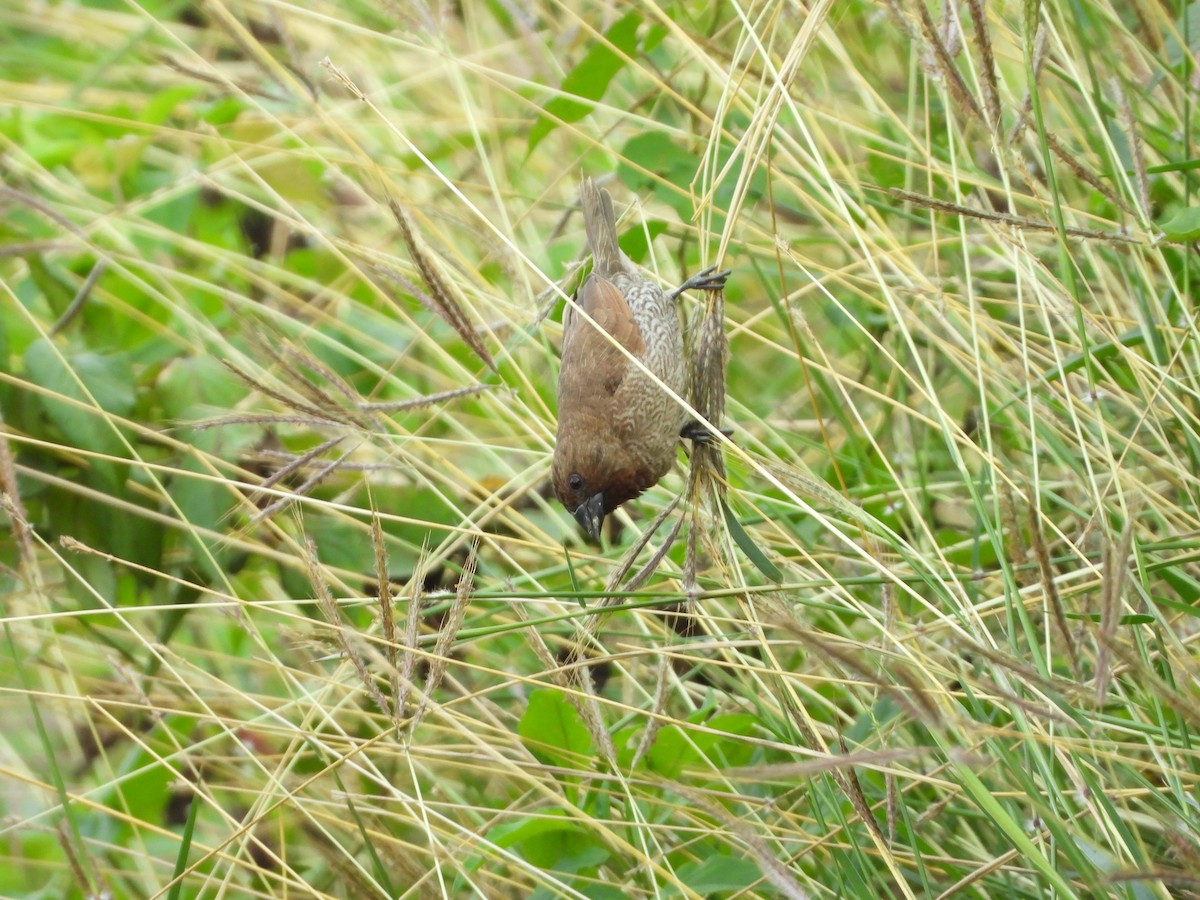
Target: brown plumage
{"points": [[617, 427]]}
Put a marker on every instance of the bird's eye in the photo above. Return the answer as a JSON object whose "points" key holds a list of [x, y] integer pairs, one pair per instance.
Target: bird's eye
{"points": [[575, 481]]}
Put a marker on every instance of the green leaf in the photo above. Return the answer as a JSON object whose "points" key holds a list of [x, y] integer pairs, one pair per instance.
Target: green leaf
{"points": [[603, 892], [1189, 24], [674, 749], [719, 873], [163, 104], [58, 295], [1187, 165], [552, 841], [582, 601], [1183, 226], [110, 381], [107, 377], [670, 752], [655, 35], [196, 387], [590, 78], [653, 161], [653, 152], [1132, 619], [636, 241], [747, 545], [993, 808], [553, 731], [516, 832], [869, 723]]}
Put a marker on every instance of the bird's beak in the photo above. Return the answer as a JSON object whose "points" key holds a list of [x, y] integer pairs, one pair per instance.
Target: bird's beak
{"points": [[590, 515]]}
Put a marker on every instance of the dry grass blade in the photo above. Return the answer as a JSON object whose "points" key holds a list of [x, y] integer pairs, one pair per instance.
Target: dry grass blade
{"points": [[642, 575], [832, 762], [780, 877], [915, 701], [1181, 881], [1169, 694], [250, 39], [242, 86], [443, 296], [1071, 159], [319, 474], [1112, 585], [387, 613], [1015, 548], [1040, 55], [635, 550], [412, 634], [656, 720], [349, 650], [14, 510], [328, 413], [853, 788], [292, 466], [541, 650], [294, 361], [944, 48], [1050, 589], [1020, 222], [987, 60], [813, 489], [315, 421], [80, 298], [439, 659], [708, 351], [1134, 140], [393, 406]]}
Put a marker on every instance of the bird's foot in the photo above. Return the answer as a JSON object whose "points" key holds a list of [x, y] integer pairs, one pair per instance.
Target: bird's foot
{"points": [[705, 280], [698, 433]]}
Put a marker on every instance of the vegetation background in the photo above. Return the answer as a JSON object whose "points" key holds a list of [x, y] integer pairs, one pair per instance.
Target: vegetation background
{"points": [[287, 611]]}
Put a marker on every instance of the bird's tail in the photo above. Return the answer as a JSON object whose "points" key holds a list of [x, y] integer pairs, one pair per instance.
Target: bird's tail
{"points": [[601, 225]]}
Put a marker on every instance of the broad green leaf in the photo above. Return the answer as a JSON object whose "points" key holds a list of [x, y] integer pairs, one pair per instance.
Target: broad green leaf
{"points": [[719, 873], [553, 730], [1183, 226], [513, 834], [590, 78], [552, 841], [110, 381], [164, 103], [198, 386], [670, 752], [654, 152], [107, 377], [636, 241]]}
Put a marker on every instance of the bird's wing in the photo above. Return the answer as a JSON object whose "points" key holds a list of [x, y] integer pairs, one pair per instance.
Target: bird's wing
{"points": [[590, 356]]}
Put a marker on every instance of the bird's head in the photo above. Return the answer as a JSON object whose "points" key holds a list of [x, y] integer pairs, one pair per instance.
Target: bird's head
{"points": [[590, 484]]}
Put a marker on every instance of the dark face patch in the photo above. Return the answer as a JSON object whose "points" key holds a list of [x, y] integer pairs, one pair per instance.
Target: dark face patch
{"points": [[575, 486], [572, 489]]}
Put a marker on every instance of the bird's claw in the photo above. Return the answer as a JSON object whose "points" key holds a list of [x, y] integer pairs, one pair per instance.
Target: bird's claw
{"points": [[698, 433], [705, 280]]}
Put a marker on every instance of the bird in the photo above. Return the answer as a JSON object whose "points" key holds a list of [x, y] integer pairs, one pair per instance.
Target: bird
{"points": [[617, 426]]}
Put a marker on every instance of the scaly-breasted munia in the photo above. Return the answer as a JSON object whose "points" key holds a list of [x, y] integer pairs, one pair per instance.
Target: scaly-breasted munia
{"points": [[617, 426]]}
